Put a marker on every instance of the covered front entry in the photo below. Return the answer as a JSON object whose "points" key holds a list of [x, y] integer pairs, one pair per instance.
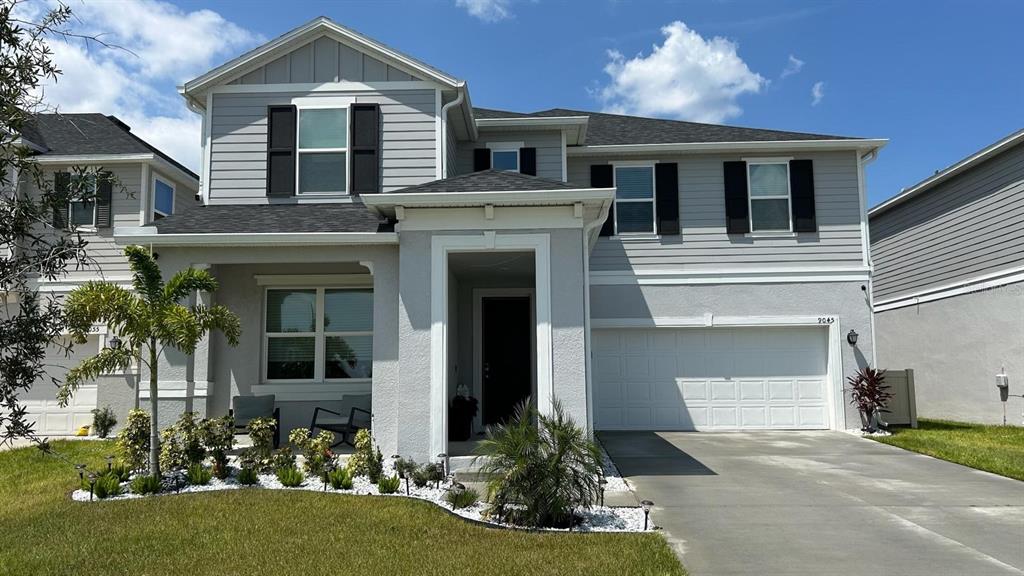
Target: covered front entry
{"points": [[729, 378], [506, 371]]}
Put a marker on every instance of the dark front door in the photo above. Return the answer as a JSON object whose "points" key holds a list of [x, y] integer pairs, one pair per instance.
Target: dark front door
{"points": [[507, 365]]}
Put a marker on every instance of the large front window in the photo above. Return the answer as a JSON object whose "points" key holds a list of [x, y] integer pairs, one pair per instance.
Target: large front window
{"points": [[318, 334], [769, 197], [634, 199], [323, 148]]}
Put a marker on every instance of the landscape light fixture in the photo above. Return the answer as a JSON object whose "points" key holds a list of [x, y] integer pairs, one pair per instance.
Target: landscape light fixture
{"points": [[602, 483], [443, 457], [92, 485], [647, 505], [81, 472], [110, 463]]}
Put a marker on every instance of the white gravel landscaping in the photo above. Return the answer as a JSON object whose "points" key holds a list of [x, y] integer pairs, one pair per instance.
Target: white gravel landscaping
{"points": [[596, 519], [616, 483]]}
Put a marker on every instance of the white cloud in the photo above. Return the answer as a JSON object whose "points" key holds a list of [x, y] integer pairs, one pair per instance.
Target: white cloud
{"points": [[686, 77], [167, 45], [793, 66], [486, 10], [817, 93]]}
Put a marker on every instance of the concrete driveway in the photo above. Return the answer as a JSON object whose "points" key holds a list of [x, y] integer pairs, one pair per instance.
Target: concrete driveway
{"points": [[821, 503]]}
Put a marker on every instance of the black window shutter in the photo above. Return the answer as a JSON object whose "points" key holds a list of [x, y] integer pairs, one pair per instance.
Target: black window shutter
{"points": [[481, 159], [528, 161], [281, 150], [801, 186], [61, 188], [104, 192], [365, 149], [666, 196], [737, 211], [602, 176]]}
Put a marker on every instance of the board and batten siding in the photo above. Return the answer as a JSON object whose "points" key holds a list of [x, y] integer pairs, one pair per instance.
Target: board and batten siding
{"points": [[703, 242], [967, 226], [323, 60], [238, 153], [547, 143]]}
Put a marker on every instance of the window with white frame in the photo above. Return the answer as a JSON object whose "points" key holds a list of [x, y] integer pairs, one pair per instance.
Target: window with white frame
{"points": [[318, 334], [322, 151], [505, 155], [82, 212], [769, 196], [163, 198], [634, 199]]}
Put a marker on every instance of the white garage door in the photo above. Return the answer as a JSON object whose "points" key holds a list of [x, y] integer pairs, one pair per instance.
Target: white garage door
{"points": [[711, 378], [41, 403]]}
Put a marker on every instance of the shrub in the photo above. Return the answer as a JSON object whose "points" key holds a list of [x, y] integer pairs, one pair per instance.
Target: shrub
{"points": [[103, 421], [315, 449], [133, 441], [540, 472], [282, 458], [261, 434], [107, 485], [248, 476], [870, 395], [146, 485], [388, 485], [121, 471], [405, 468], [340, 479], [290, 476], [428, 473], [367, 459], [218, 436], [462, 498], [198, 475]]}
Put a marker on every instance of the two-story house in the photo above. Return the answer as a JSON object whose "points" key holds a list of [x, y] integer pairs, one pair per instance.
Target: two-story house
{"points": [[378, 234], [143, 186]]}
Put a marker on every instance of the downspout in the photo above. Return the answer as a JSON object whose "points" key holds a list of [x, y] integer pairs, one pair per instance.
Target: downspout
{"points": [[862, 162], [599, 221], [191, 104], [459, 97]]}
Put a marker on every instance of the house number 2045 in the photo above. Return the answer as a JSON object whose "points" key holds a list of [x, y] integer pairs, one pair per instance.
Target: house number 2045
{"points": [[826, 320]]}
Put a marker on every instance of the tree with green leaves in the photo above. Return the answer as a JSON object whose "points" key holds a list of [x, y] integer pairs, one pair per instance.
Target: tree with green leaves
{"points": [[147, 319]]}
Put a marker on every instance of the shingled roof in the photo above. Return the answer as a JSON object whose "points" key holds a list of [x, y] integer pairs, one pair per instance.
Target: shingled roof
{"points": [[487, 181], [271, 218], [85, 134], [617, 129]]}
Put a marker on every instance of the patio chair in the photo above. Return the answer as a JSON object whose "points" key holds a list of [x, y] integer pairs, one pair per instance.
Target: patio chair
{"points": [[354, 416], [247, 408]]}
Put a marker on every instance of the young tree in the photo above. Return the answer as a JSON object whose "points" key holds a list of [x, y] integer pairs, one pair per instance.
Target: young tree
{"points": [[147, 319]]}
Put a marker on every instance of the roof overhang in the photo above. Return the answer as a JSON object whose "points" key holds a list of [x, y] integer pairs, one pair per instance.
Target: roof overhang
{"points": [[320, 26], [154, 160], [149, 235], [865, 145], [943, 175], [575, 127], [386, 204]]}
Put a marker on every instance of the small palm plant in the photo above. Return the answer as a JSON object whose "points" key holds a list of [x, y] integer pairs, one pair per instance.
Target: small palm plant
{"points": [[541, 472], [147, 319]]}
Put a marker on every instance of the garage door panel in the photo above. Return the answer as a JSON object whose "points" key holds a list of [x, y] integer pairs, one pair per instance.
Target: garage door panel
{"points": [[711, 378]]}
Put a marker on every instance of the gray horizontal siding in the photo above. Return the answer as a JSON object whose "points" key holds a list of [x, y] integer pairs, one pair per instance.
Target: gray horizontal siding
{"points": [[547, 143], [967, 226], [238, 153], [704, 243], [323, 60]]}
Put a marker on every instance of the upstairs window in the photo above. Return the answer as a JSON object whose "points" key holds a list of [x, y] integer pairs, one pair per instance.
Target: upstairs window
{"points": [[163, 199], [506, 160], [634, 200], [323, 150], [82, 212], [769, 196]]}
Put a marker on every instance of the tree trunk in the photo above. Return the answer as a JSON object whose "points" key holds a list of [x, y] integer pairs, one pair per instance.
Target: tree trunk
{"points": [[154, 426]]}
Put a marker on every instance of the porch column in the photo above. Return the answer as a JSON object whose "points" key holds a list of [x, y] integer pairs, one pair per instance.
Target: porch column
{"points": [[414, 347], [199, 385], [385, 390]]}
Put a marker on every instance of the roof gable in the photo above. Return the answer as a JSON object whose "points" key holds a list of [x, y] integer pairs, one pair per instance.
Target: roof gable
{"points": [[320, 51]]}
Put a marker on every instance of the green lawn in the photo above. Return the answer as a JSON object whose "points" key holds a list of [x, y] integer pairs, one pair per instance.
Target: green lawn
{"points": [[996, 449], [274, 532]]}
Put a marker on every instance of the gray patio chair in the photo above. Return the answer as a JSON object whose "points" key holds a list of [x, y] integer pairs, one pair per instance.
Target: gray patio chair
{"points": [[353, 416], [247, 408]]}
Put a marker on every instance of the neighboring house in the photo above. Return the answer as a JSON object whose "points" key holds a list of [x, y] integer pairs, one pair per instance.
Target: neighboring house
{"points": [[949, 283], [377, 234], [145, 185]]}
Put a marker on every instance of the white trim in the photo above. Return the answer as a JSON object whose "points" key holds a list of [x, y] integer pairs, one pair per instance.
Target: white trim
{"points": [[149, 235], [439, 141], [346, 86], [788, 197], [144, 184], [177, 389], [652, 200], [835, 398], [302, 104], [478, 295], [314, 280], [305, 391], [938, 177], [565, 161], [441, 247], [561, 196], [208, 149], [975, 284], [862, 196], [774, 275], [779, 145], [152, 195], [94, 158]]}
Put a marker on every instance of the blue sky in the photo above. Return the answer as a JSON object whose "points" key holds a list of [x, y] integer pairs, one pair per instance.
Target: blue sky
{"points": [[939, 79]]}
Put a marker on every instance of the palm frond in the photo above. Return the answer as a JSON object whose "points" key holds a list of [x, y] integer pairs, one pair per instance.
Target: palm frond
{"points": [[146, 278], [108, 361], [188, 281], [219, 318], [180, 328], [99, 303]]}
